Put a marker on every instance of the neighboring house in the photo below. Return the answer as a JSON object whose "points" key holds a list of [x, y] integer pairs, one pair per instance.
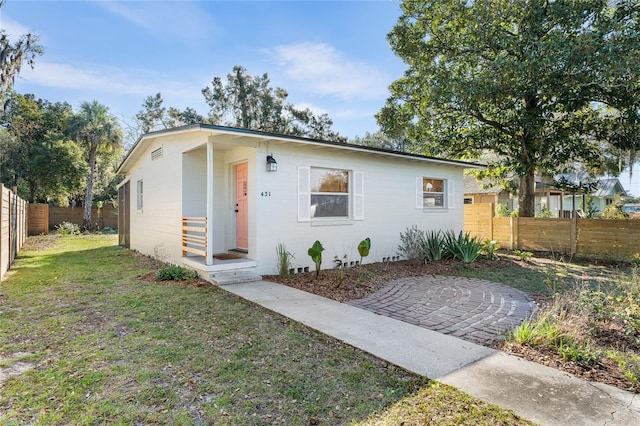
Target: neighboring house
{"points": [[559, 202], [477, 192], [193, 194]]}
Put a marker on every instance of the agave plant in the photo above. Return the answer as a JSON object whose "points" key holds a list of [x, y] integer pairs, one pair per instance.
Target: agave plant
{"points": [[463, 246]]}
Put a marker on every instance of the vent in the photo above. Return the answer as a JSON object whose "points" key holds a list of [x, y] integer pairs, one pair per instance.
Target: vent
{"points": [[156, 153]]}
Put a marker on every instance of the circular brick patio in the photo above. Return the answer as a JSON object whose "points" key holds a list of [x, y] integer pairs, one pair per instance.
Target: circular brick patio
{"points": [[475, 310]]}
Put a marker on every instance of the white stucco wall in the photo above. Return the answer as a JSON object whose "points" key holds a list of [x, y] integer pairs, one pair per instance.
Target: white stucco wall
{"points": [[389, 197]]}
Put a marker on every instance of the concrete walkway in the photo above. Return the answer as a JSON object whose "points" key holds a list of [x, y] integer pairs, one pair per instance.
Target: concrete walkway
{"points": [[538, 393], [476, 310]]}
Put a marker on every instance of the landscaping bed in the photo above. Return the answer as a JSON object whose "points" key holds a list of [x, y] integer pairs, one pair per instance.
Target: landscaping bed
{"points": [[600, 348]]}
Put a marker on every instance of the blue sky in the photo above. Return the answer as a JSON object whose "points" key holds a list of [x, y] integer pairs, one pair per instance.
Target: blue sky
{"points": [[330, 56]]}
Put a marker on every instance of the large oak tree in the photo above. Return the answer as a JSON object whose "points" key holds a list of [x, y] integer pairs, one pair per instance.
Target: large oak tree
{"points": [[523, 80]]}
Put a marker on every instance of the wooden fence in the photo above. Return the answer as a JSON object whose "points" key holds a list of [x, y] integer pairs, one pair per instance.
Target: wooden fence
{"points": [[13, 227], [38, 222], [594, 238]]}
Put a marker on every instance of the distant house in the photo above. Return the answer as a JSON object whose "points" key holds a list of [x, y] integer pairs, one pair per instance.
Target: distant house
{"points": [[558, 202], [217, 198]]}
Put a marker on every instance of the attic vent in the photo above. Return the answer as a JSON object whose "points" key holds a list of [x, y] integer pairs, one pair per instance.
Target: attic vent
{"points": [[156, 153]]}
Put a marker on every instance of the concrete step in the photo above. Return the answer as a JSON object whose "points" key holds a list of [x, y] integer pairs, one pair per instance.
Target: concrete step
{"points": [[234, 277]]}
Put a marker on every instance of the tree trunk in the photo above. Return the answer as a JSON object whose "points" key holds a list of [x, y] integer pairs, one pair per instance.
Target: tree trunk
{"points": [[527, 194], [88, 195]]}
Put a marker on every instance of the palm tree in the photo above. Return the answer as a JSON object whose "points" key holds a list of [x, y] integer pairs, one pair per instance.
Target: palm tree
{"points": [[98, 131]]}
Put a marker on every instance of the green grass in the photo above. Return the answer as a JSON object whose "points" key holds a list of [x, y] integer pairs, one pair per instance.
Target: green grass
{"points": [[107, 347]]}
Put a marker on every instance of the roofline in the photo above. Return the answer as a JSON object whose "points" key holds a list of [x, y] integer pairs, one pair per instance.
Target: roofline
{"points": [[292, 138]]}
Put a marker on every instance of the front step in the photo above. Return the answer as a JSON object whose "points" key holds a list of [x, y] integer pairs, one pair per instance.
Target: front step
{"points": [[233, 277]]}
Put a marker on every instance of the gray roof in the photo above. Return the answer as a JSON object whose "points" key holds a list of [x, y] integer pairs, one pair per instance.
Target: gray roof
{"points": [[473, 186]]}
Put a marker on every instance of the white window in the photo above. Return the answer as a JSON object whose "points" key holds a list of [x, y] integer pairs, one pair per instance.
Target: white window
{"points": [[327, 193], [140, 192], [434, 193]]}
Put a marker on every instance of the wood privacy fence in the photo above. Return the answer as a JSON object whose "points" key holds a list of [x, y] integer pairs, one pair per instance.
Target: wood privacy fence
{"points": [[594, 238], [13, 227], [43, 217]]}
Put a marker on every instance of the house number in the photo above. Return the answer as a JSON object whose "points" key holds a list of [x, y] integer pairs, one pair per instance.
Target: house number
{"points": [[266, 193]]}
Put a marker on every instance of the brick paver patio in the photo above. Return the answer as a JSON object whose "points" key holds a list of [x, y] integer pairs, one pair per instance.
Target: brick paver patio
{"points": [[472, 309]]}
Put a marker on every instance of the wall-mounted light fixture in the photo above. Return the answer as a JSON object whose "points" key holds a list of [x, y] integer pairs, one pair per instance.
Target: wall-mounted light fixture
{"points": [[272, 164]]}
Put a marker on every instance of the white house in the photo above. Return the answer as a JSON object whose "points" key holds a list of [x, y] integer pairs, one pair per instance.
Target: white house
{"points": [[195, 193]]}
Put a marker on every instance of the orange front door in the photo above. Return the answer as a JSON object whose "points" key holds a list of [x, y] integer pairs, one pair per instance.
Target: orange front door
{"points": [[242, 211]]}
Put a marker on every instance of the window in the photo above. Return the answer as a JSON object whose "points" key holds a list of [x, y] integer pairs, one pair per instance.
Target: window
{"points": [[433, 193], [468, 200], [329, 193], [140, 191]]}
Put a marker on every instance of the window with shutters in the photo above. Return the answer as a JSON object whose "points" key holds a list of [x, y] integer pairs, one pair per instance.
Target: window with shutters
{"points": [[434, 193], [326, 193], [329, 193]]}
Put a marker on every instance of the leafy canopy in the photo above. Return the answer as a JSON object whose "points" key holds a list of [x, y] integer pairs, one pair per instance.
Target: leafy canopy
{"points": [[250, 102], [521, 79]]}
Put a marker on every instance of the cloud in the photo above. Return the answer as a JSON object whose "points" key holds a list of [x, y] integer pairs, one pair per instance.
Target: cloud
{"points": [[324, 70], [183, 20], [13, 29], [105, 79]]}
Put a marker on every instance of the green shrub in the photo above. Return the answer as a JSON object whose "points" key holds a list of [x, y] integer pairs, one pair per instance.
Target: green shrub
{"points": [[176, 273], [284, 259], [635, 260], [68, 228], [315, 252], [433, 246], [503, 210], [489, 248], [523, 255], [411, 244], [463, 247], [570, 350]]}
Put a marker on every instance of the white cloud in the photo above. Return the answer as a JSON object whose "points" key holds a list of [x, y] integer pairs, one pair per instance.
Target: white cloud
{"points": [[315, 109], [184, 20], [326, 71], [12, 28], [105, 79]]}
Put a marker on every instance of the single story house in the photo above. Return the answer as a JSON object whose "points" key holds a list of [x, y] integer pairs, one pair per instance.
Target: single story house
{"points": [[215, 198], [558, 201]]}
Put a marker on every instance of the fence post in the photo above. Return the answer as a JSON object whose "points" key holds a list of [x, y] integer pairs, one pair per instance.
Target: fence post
{"points": [[574, 235], [491, 212]]}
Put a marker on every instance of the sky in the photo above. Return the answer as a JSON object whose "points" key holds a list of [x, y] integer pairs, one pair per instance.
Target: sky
{"points": [[330, 56]]}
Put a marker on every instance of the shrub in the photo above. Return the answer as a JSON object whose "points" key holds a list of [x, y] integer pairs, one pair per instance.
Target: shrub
{"points": [[489, 248], [411, 243], [463, 247], [503, 210], [635, 260], [433, 247], [315, 252], [68, 228], [523, 255], [176, 273], [284, 259]]}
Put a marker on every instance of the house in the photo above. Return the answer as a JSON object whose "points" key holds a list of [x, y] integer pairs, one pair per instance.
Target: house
{"points": [[556, 201], [216, 198]]}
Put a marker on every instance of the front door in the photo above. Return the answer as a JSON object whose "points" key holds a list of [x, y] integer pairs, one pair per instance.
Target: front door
{"points": [[242, 211]]}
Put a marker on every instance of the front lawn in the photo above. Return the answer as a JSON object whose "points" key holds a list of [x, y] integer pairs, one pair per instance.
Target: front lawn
{"points": [[85, 340]]}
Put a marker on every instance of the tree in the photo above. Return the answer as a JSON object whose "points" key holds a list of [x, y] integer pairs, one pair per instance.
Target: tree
{"points": [[154, 116], [380, 140], [249, 102], [99, 133], [13, 55], [36, 156], [520, 79]]}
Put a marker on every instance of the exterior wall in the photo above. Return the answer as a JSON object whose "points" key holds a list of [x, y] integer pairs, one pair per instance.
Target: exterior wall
{"points": [[156, 230], [389, 206], [175, 185]]}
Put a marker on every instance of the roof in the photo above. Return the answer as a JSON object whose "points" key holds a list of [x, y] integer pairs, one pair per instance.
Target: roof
{"points": [[474, 186], [145, 139], [605, 187]]}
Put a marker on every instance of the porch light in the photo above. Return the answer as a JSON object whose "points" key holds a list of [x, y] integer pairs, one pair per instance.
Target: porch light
{"points": [[272, 165]]}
